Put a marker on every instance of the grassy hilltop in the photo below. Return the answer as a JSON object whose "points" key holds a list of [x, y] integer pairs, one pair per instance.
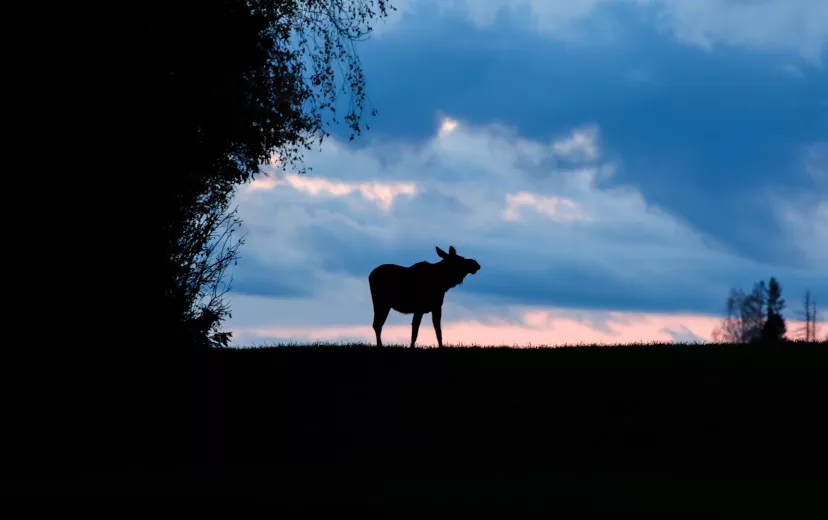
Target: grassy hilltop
{"points": [[650, 426], [656, 411], [659, 407]]}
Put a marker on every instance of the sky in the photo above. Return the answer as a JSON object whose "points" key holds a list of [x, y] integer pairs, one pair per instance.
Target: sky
{"points": [[614, 166]]}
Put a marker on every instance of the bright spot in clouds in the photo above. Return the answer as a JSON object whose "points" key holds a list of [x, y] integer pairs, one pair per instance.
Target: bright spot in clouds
{"points": [[447, 126]]}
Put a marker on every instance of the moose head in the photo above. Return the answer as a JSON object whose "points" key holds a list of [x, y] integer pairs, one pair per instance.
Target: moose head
{"points": [[456, 267]]}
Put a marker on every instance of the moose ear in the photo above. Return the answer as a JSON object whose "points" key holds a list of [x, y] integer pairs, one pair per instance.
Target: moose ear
{"points": [[452, 251], [441, 252]]}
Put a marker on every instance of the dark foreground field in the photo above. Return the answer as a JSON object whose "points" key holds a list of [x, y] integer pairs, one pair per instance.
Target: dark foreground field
{"points": [[652, 427]]}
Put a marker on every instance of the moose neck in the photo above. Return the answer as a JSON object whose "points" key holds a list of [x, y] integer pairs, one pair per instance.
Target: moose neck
{"points": [[447, 277]]}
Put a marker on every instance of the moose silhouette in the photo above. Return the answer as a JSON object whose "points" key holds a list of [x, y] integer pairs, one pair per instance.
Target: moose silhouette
{"points": [[417, 289]]}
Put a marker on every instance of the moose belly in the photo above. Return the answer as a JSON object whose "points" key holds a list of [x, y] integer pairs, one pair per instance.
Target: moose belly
{"points": [[412, 308], [414, 300]]}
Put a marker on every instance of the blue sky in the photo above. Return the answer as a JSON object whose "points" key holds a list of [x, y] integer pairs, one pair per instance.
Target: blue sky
{"points": [[604, 161]]}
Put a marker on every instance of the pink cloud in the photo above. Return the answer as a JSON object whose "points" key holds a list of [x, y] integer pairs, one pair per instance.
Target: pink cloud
{"points": [[382, 193], [554, 207]]}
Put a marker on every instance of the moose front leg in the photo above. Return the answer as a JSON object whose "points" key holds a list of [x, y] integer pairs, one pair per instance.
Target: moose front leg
{"points": [[415, 327], [380, 315], [436, 315]]}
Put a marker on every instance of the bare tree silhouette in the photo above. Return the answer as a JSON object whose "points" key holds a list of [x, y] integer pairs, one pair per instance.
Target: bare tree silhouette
{"points": [[810, 317], [417, 289]]}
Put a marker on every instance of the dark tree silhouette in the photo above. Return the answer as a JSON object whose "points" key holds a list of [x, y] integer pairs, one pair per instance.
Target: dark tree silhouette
{"points": [[417, 289], [754, 311], [203, 255], [226, 86], [755, 316], [774, 327], [732, 327]]}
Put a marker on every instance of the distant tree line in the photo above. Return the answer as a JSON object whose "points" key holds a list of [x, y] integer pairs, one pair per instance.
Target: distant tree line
{"points": [[758, 316]]}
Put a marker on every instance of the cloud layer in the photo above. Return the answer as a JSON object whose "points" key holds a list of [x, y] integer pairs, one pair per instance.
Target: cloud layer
{"points": [[553, 237], [798, 27]]}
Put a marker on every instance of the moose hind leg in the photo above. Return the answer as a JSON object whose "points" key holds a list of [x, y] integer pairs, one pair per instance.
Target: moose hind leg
{"points": [[436, 315], [380, 315], [415, 327]]}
